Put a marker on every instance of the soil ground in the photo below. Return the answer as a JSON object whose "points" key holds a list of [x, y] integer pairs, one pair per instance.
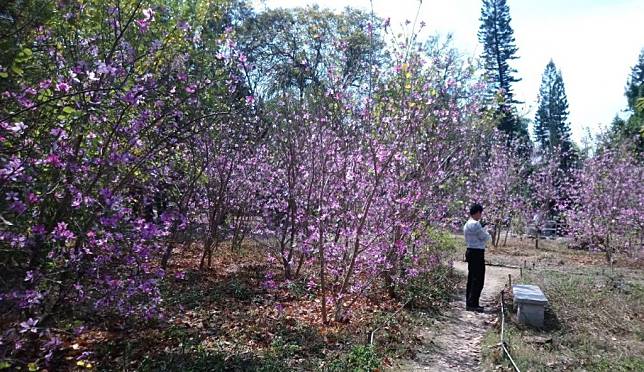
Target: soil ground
{"points": [[595, 308], [455, 343]]}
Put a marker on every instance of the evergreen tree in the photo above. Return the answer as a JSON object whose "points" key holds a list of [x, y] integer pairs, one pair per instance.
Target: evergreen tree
{"points": [[635, 83], [629, 132], [497, 37], [552, 129]]}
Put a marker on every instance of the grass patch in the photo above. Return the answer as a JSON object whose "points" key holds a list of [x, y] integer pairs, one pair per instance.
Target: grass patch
{"points": [[593, 322], [204, 360], [359, 359]]}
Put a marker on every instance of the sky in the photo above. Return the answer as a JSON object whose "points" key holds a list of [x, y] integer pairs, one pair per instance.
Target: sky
{"points": [[594, 43]]}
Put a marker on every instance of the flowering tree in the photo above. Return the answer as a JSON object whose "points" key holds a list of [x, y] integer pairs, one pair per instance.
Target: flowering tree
{"points": [[501, 186], [99, 110], [547, 184], [358, 174], [605, 213]]}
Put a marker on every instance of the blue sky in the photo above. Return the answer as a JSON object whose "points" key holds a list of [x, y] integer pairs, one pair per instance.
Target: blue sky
{"points": [[594, 43]]}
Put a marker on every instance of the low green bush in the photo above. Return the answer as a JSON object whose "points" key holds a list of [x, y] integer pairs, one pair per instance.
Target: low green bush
{"points": [[360, 358], [431, 289]]}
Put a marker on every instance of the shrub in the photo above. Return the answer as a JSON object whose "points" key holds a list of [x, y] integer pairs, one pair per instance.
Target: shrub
{"points": [[430, 289], [359, 358]]}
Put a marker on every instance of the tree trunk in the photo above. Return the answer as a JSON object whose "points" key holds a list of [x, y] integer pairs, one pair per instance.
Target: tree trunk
{"points": [[206, 246], [323, 285], [287, 268], [215, 244], [389, 284], [536, 240], [166, 255], [322, 281], [299, 266]]}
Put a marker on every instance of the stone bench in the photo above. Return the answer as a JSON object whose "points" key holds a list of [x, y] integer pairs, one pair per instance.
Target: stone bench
{"points": [[531, 304]]}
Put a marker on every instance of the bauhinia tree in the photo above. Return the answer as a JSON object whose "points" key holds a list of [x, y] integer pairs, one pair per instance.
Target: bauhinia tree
{"points": [[101, 111], [500, 188], [605, 213], [356, 175], [546, 184]]}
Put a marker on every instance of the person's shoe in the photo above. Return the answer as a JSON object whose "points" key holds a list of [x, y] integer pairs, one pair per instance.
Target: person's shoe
{"points": [[478, 309]]}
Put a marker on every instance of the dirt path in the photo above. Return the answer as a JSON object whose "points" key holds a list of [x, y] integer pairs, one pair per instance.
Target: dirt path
{"points": [[455, 343]]}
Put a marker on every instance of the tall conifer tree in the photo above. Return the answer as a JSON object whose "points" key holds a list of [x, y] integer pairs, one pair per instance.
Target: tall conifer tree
{"points": [[635, 83], [552, 129], [497, 37]]}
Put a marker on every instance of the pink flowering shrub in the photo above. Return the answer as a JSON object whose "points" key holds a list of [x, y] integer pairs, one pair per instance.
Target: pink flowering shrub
{"points": [[357, 176], [98, 119], [606, 204]]}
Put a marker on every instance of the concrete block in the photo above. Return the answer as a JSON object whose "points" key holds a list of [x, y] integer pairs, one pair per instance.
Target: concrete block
{"points": [[531, 314], [531, 304]]}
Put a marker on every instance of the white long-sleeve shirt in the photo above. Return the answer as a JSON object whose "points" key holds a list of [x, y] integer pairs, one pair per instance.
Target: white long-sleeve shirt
{"points": [[475, 235]]}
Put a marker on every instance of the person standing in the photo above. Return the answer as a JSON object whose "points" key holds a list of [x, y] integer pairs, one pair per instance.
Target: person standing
{"points": [[475, 238]]}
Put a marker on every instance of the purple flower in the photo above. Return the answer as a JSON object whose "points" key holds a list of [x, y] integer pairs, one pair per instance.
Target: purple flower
{"points": [[242, 58], [29, 276], [38, 230], [62, 87], [44, 84], [12, 169], [62, 233], [18, 206], [106, 194], [54, 160], [144, 23], [53, 343], [32, 198], [17, 128], [131, 97], [183, 26], [29, 326], [268, 282]]}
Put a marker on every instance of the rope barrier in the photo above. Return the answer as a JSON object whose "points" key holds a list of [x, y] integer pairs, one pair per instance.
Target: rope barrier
{"points": [[503, 344]]}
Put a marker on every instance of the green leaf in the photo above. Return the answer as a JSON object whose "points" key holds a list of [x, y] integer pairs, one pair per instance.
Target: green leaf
{"points": [[32, 367], [68, 110], [4, 75], [639, 105], [17, 70], [5, 364], [27, 52]]}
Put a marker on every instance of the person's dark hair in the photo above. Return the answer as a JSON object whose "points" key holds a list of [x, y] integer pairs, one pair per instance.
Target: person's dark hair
{"points": [[475, 208]]}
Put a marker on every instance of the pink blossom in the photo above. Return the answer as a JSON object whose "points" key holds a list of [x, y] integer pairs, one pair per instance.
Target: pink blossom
{"points": [[62, 87]]}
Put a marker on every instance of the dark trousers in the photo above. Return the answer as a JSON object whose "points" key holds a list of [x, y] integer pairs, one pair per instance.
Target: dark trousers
{"points": [[475, 275]]}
